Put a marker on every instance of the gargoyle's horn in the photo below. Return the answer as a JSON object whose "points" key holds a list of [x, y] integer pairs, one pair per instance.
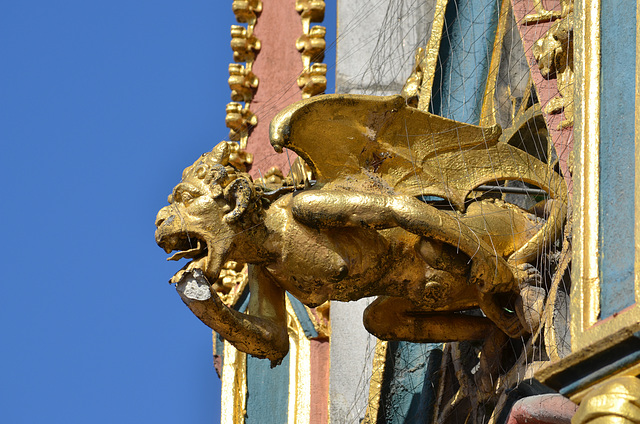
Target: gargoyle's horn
{"points": [[220, 153], [241, 190]]}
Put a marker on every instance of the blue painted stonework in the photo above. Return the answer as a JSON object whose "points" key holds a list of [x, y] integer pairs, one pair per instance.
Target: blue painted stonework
{"points": [[267, 391], [268, 388], [617, 155], [463, 61], [408, 391]]}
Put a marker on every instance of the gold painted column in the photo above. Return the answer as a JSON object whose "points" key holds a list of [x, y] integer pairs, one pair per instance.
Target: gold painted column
{"points": [[601, 373]]}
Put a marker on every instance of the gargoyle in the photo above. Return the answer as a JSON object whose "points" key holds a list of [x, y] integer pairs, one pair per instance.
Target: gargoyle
{"points": [[394, 213]]}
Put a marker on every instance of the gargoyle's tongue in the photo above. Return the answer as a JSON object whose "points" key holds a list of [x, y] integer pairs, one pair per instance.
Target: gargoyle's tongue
{"points": [[208, 258], [191, 253]]}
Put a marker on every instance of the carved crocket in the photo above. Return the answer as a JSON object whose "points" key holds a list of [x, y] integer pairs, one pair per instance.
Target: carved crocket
{"points": [[366, 228]]}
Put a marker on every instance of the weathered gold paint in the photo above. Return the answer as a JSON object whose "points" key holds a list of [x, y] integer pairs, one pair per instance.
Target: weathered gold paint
{"points": [[588, 339], [585, 295], [360, 232]]}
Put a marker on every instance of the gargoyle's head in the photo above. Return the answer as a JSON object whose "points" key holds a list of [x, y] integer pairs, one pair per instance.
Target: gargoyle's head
{"points": [[210, 205]]}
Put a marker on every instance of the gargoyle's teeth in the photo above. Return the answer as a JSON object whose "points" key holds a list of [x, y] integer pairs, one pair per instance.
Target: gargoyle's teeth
{"points": [[190, 253]]}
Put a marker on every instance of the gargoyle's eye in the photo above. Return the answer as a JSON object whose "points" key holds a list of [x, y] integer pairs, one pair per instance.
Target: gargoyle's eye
{"points": [[186, 197], [185, 194]]}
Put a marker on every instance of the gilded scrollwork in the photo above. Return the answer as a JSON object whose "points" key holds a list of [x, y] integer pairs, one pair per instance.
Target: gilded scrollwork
{"points": [[540, 14], [242, 81]]}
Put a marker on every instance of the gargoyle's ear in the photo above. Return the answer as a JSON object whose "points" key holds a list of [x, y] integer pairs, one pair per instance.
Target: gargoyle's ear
{"points": [[217, 175], [240, 190]]}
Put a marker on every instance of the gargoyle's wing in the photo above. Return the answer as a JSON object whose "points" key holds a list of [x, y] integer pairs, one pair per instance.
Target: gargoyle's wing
{"points": [[381, 139]]}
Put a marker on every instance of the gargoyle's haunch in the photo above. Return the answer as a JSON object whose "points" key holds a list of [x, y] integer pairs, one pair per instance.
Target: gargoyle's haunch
{"points": [[361, 231]]}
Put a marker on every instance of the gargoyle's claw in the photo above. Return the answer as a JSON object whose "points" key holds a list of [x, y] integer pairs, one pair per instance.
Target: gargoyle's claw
{"points": [[512, 326], [527, 275]]}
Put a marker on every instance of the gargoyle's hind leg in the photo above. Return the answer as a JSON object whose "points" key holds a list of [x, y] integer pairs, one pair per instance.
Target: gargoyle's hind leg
{"points": [[395, 318]]}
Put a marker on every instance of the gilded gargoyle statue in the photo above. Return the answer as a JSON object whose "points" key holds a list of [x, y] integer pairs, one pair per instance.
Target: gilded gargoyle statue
{"points": [[394, 213]]}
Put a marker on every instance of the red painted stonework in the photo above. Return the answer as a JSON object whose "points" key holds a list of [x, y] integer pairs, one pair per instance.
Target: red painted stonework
{"points": [[319, 382], [277, 67], [542, 409], [546, 89]]}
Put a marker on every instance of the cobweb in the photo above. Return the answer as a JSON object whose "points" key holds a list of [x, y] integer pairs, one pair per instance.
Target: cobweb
{"points": [[442, 382], [450, 383]]}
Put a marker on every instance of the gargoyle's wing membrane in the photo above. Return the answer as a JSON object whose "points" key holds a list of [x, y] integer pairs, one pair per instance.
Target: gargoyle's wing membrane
{"points": [[410, 151], [455, 174], [330, 132], [339, 134]]}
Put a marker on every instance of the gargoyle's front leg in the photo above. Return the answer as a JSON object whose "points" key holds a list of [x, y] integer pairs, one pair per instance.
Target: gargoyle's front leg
{"points": [[340, 209], [262, 334]]}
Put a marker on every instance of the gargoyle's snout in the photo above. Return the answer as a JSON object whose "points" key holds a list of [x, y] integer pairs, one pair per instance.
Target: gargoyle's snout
{"points": [[164, 219], [165, 215]]}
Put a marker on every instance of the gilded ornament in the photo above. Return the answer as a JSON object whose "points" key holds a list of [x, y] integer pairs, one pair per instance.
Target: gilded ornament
{"points": [[361, 230], [411, 89], [242, 82], [540, 15], [615, 401], [240, 120], [231, 282], [310, 11], [313, 80], [246, 10], [240, 158], [312, 45], [554, 54], [244, 44]]}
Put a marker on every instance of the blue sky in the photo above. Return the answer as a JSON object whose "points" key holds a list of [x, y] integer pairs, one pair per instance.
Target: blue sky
{"points": [[103, 103]]}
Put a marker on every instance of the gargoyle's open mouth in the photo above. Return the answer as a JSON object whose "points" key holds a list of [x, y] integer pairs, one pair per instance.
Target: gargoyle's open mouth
{"points": [[187, 246], [186, 249]]}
